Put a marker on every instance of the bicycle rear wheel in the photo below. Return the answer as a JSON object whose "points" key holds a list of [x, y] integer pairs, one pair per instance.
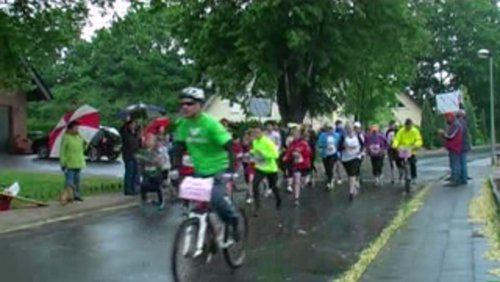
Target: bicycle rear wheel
{"points": [[235, 254], [184, 266]]}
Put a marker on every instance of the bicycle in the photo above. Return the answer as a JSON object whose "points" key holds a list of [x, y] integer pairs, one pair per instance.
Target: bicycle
{"points": [[405, 155], [202, 234]]}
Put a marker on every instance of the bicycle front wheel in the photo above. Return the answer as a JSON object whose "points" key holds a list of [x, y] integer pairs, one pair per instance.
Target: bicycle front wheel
{"points": [[186, 267], [235, 253]]}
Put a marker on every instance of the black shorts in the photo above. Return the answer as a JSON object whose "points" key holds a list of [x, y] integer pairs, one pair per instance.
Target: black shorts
{"points": [[352, 167]]}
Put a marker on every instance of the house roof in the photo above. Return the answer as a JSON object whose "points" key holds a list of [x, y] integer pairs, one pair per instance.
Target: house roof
{"points": [[41, 92]]}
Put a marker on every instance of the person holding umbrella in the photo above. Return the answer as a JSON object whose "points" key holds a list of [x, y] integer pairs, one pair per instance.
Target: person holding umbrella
{"points": [[72, 159], [131, 144]]}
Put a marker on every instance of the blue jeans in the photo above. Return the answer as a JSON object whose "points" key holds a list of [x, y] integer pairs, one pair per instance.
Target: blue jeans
{"points": [[458, 162], [464, 174], [73, 181], [131, 178], [224, 208]]}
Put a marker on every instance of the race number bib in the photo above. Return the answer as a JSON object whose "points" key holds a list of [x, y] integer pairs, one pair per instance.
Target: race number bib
{"points": [[186, 161], [246, 158], [297, 158], [375, 149], [258, 160], [330, 147]]}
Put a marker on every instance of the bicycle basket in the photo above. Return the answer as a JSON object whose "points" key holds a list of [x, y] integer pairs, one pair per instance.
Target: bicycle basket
{"points": [[196, 189]]}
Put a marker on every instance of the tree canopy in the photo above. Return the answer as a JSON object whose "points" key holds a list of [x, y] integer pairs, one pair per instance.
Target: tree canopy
{"points": [[134, 61], [301, 52]]}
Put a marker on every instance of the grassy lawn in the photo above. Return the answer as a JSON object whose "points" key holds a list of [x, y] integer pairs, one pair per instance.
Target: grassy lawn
{"points": [[47, 186]]}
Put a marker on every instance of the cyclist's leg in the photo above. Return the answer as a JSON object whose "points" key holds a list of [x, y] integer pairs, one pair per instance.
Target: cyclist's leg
{"points": [[224, 209]]}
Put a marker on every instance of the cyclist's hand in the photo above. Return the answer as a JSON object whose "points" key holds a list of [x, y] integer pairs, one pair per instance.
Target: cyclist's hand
{"points": [[173, 174]]}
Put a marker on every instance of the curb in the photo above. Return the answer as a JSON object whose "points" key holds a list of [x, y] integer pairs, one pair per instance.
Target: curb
{"points": [[68, 217], [494, 187]]}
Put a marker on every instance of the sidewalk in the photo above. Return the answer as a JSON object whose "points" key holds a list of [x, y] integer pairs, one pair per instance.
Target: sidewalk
{"points": [[19, 219], [439, 242]]}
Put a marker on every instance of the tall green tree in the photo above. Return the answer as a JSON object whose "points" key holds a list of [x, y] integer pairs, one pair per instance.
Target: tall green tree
{"points": [[38, 32], [136, 60], [476, 136], [459, 29], [300, 52], [429, 125]]}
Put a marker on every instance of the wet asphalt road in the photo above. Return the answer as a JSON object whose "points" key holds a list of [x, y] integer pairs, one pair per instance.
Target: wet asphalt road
{"points": [[315, 242]]}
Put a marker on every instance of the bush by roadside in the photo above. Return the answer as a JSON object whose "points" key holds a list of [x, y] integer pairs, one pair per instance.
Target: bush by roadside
{"points": [[47, 186]]}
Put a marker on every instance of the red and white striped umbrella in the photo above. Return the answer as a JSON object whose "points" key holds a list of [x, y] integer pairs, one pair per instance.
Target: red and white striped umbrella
{"points": [[88, 119]]}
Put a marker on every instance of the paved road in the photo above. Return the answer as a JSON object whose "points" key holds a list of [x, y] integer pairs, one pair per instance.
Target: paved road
{"points": [[315, 242]]}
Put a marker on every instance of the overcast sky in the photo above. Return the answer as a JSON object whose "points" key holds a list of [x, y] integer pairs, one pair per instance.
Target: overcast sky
{"points": [[97, 21]]}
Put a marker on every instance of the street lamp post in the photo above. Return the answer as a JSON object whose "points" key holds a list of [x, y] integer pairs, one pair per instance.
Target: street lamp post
{"points": [[486, 54]]}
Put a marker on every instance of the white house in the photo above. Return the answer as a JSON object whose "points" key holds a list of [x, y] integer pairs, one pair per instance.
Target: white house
{"points": [[224, 109]]}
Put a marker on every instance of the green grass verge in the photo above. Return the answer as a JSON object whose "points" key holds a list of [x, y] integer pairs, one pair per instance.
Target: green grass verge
{"points": [[483, 209], [369, 254], [47, 186]]}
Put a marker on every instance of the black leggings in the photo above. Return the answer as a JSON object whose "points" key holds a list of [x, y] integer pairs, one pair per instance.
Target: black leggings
{"points": [[272, 178], [377, 165], [151, 184], [329, 163]]}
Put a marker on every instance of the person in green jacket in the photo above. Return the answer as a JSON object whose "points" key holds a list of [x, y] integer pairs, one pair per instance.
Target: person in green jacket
{"points": [[265, 154], [72, 158]]}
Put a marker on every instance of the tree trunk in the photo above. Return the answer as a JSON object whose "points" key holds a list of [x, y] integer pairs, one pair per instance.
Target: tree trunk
{"points": [[291, 100]]}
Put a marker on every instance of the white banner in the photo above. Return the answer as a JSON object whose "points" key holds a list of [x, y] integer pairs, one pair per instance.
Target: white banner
{"points": [[449, 102]]}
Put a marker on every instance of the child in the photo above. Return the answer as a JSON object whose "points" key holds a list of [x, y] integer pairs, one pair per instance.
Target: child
{"points": [[152, 162]]}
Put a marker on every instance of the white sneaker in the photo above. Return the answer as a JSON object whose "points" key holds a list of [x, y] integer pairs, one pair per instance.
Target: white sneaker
{"points": [[268, 193], [339, 181], [289, 189], [249, 201]]}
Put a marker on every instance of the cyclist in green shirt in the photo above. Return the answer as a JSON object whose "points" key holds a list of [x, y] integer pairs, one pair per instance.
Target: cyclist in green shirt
{"points": [[209, 145]]}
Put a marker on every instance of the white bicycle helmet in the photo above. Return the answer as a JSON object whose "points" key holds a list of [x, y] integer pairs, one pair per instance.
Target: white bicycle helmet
{"points": [[194, 93]]}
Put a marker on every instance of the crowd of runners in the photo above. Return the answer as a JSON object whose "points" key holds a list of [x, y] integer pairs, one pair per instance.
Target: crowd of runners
{"points": [[273, 159]]}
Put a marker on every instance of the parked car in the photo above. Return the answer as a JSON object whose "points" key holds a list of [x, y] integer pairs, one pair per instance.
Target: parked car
{"points": [[106, 143]]}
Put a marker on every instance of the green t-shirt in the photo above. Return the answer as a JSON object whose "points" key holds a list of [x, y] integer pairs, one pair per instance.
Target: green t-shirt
{"points": [[205, 138]]}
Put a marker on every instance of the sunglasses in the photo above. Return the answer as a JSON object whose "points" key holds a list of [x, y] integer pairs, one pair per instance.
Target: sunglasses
{"points": [[189, 104]]}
